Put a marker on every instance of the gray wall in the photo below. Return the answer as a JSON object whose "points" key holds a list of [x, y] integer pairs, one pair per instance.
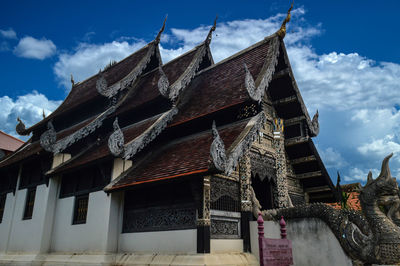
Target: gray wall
{"points": [[312, 240]]}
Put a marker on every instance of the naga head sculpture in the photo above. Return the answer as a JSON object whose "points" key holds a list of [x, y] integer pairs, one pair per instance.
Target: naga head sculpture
{"points": [[382, 191]]}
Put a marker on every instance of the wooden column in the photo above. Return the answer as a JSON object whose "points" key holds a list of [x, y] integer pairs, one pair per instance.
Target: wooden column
{"points": [[204, 219]]}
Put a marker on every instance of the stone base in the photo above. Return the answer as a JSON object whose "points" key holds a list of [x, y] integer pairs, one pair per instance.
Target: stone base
{"points": [[128, 259]]}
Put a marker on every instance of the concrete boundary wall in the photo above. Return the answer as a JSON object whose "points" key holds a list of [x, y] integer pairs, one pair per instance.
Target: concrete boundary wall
{"points": [[313, 242], [174, 241]]}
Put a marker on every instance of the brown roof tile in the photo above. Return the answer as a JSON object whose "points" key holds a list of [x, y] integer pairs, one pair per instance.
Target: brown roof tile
{"points": [[31, 148], [101, 151], [222, 85], [8, 142], [148, 84], [186, 156], [86, 90]]}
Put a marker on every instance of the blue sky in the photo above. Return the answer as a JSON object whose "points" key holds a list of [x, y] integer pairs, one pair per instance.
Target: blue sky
{"points": [[345, 56]]}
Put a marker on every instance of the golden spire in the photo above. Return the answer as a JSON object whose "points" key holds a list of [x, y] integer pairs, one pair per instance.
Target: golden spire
{"points": [[282, 31], [209, 36], [157, 40]]}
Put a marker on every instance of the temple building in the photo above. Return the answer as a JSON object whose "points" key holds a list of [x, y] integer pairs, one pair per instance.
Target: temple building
{"points": [[163, 158]]}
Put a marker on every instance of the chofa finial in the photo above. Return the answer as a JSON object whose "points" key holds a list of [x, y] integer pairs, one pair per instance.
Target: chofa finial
{"points": [[157, 40], [282, 31], [209, 36], [72, 80], [43, 114]]}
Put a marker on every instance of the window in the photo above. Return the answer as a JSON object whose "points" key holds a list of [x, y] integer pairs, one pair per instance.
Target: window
{"points": [[2, 205], [30, 201], [84, 181], [32, 173], [8, 180], [80, 209]]}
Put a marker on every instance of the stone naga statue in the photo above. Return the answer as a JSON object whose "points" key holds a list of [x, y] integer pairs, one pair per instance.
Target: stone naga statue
{"points": [[370, 237]]}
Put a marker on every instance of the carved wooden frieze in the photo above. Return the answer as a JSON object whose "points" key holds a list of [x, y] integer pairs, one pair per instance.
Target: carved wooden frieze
{"points": [[160, 218], [263, 166], [217, 150]]}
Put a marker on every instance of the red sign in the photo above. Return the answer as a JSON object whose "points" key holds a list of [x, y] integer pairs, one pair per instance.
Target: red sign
{"points": [[277, 252]]}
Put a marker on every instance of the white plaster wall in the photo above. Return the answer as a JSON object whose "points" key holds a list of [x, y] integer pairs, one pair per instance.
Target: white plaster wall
{"points": [[88, 237], [176, 241], [226, 245], [5, 224], [313, 242], [26, 235]]}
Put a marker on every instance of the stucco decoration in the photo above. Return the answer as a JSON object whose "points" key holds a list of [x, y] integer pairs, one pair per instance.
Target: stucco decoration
{"points": [[116, 140], [281, 197], [49, 137], [62, 144], [315, 125], [370, 237], [163, 83], [246, 139], [20, 128], [217, 150], [136, 145]]}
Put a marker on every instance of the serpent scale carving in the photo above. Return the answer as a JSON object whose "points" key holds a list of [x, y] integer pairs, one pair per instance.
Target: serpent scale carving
{"points": [[371, 237]]}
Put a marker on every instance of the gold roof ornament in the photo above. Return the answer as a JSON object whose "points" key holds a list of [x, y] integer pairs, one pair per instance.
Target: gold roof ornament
{"points": [[43, 114], [282, 31], [157, 40], [209, 36]]}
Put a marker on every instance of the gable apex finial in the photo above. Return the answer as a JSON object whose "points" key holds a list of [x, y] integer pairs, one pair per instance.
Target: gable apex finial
{"points": [[209, 35], [157, 40], [282, 31]]}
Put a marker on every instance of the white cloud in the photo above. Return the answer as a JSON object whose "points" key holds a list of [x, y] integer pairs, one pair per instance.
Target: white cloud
{"points": [[360, 175], [87, 59], [28, 107], [30, 47], [332, 158], [381, 147], [8, 34]]}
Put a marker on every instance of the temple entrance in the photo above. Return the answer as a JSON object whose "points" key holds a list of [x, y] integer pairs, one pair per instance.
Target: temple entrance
{"points": [[263, 190]]}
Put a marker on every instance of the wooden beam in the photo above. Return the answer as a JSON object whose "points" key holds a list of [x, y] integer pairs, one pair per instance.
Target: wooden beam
{"points": [[296, 140], [294, 120], [303, 160], [281, 73], [317, 189], [309, 175], [286, 100]]}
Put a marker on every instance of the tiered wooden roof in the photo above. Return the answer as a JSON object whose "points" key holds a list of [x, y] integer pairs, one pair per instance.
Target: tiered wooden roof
{"points": [[160, 116]]}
